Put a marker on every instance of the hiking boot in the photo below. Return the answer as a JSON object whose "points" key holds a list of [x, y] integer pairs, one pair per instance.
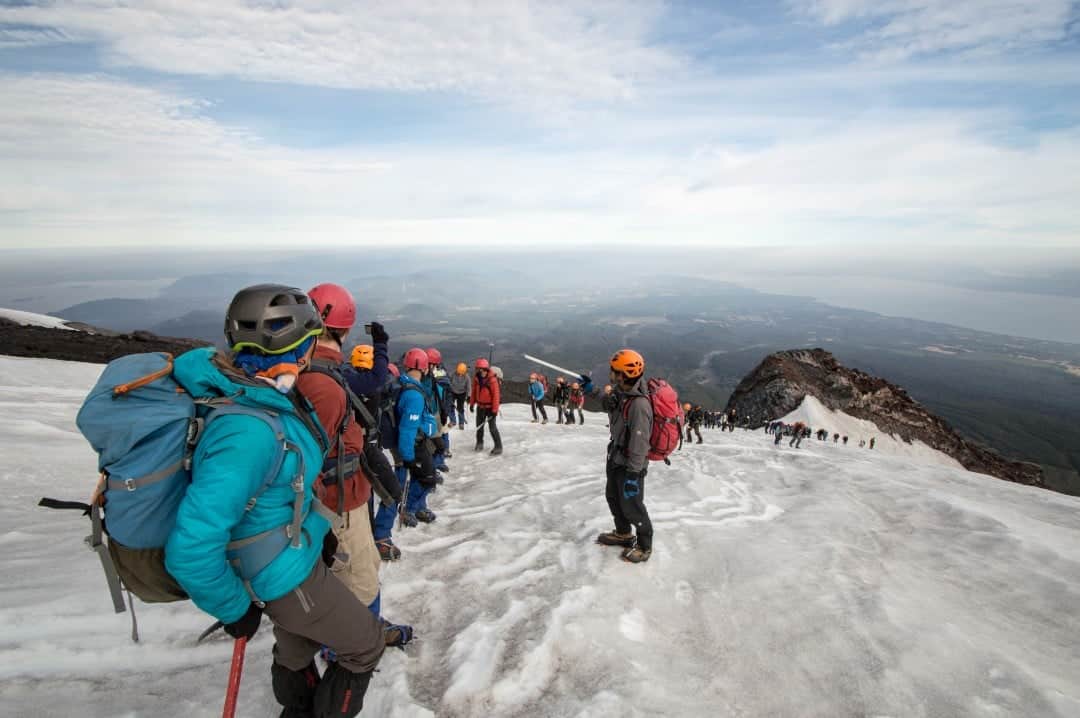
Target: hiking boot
{"points": [[442, 467], [614, 538], [700, 441], [409, 520], [425, 516], [534, 421], [387, 550], [448, 455], [636, 555], [461, 426], [543, 422], [479, 445], [496, 451], [396, 635]]}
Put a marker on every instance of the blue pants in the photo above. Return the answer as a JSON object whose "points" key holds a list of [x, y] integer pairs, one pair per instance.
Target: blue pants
{"points": [[417, 499], [383, 528]]}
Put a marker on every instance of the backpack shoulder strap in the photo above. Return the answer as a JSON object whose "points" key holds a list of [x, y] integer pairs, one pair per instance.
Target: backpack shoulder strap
{"points": [[274, 422]]}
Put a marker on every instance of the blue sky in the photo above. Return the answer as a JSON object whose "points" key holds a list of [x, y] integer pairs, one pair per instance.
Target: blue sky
{"points": [[884, 125]]}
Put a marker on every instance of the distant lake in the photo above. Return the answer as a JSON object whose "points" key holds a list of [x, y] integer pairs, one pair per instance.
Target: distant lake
{"points": [[1035, 316]]}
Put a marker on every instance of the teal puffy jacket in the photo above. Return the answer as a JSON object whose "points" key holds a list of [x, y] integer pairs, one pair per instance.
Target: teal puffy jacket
{"points": [[230, 464]]}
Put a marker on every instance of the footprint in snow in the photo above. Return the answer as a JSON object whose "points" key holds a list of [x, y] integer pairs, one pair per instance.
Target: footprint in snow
{"points": [[684, 593]]}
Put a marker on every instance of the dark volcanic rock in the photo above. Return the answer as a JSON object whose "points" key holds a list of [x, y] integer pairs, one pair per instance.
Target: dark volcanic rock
{"points": [[779, 383], [86, 346]]}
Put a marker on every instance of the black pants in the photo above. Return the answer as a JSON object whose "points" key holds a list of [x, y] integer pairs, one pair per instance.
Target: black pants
{"points": [[696, 429], [538, 404], [485, 415], [459, 402], [627, 503]]}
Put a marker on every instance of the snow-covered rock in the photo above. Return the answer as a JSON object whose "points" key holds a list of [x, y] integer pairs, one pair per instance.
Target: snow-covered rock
{"points": [[818, 416], [33, 320], [778, 385], [826, 581]]}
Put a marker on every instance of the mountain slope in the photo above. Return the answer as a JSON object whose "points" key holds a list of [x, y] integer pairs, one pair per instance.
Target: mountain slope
{"points": [[783, 379], [825, 581]]}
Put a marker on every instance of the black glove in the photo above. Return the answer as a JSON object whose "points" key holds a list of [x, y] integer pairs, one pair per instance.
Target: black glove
{"points": [[247, 625], [378, 334]]}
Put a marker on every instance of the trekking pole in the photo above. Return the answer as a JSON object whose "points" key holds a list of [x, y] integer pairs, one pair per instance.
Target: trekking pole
{"points": [[235, 670]]}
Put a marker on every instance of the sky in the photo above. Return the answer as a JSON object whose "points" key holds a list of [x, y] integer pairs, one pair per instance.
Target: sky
{"points": [[886, 128]]}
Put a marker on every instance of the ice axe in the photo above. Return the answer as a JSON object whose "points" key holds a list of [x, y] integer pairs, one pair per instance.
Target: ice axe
{"points": [[235, 670], [556, 367]]}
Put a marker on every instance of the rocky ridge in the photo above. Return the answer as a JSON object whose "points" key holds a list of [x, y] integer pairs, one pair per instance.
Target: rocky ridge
{"points": [[779, 383], [85, 344]]}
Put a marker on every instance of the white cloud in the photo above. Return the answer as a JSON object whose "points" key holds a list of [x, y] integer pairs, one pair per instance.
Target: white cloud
{"points": [[526, 51], [901, 29], [101, 161]]}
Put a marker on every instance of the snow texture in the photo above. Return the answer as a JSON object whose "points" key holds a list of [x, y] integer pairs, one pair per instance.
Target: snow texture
{"points": [[826, 581], [818, 416], [32, 319]]}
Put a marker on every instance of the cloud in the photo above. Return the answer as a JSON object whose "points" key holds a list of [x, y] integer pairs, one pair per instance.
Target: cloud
{"points": [[103, 161], [902, 29], [513, 49]]}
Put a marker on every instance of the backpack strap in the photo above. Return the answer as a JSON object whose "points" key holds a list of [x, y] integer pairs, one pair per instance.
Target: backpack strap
{"points": [[248, 556]]}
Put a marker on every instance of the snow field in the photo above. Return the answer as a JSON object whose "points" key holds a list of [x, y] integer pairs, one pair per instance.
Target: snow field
{"points": [[31, 319], [826, 581]]}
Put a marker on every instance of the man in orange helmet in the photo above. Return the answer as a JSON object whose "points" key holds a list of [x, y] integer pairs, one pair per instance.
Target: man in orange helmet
{"points": [[627, 459]]}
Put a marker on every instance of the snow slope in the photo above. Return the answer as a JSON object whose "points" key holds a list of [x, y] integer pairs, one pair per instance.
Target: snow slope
{"points": [[818, 416], [820, 582], [32, 319]]}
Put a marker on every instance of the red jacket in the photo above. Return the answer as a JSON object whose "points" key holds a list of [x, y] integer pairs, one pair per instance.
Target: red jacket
{"points": [[331, 403], [485, 392]]}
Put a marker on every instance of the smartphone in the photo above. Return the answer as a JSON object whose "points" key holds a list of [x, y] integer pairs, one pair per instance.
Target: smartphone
{"points": [[367, 329]]}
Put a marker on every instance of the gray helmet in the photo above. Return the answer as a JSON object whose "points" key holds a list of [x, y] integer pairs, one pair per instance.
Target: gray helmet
{"points": [[271, 318]]}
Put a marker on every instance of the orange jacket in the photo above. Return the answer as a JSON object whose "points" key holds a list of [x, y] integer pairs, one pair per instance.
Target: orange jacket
{"points": [[485, 392], [331, 404]]}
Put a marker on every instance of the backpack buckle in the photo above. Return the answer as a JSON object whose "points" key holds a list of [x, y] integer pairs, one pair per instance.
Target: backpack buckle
{"points": [[129, 484]]}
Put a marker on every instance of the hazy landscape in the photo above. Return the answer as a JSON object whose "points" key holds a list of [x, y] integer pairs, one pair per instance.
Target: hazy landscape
{"points": [[1019, 395]]}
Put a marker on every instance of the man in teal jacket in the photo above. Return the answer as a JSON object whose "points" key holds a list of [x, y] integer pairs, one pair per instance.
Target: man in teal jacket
{"points": [[236, 549]]}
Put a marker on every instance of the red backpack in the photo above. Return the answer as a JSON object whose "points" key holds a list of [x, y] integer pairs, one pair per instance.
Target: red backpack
{"points": [[668, 420]]}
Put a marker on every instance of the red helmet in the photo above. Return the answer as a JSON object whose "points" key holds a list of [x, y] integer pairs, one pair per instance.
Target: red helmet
{"points": [[393, 369], [434, 356], [335, 305], [417, 359], [483, 363]]}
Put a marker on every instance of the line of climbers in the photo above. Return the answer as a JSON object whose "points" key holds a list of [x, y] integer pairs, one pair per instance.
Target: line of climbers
{"points": [[800, 430]]}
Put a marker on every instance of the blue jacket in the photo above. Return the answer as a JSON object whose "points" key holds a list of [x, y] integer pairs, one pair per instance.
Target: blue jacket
{"points": [[536, 390], [414, 421], [367, 382], [229, 466]]}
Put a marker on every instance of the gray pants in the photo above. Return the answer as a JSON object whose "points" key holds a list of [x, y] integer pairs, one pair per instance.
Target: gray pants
{"points": [[323, 612]]}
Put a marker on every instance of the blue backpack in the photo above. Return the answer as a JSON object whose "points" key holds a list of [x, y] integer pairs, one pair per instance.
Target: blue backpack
{"points": [[145, 427]]}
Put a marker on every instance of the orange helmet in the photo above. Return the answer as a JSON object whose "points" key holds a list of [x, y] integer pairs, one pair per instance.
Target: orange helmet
{"points": [[462, 368], [575, 385], [363, 356], [628, 363]]}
